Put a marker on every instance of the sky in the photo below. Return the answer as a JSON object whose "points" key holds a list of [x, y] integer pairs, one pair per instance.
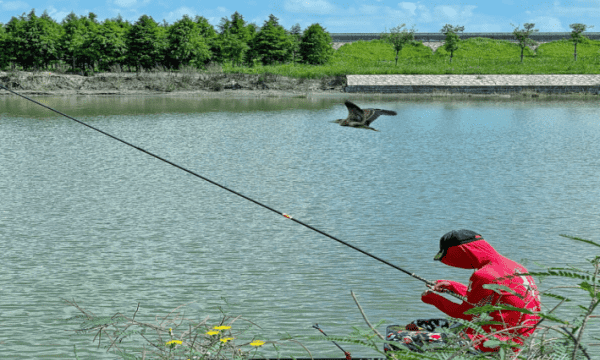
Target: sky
{"points": [[356, 16]]}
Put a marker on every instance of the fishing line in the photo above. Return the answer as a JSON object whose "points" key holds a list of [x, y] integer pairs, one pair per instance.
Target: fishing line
{"points": [[430, 283]]}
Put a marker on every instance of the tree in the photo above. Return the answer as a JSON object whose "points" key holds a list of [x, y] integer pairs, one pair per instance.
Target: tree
{"points": [[34, 40], [232, 48], [316, 45], [398, 39], [13, 40], [49, 50], [238, 27], [272, 43], [73, 36], [577, 37], [234, 38], [3, 47], [186, 45], [106, 45], [523, 37], [208, 33], [145, 44], [296, 34], [452, 39], [250, 55]]}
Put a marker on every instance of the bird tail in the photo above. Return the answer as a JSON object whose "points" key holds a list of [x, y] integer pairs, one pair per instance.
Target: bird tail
{"points": [[388, 112]]}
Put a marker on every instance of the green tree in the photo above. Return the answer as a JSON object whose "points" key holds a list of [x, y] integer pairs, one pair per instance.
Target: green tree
{"points": [[49, 50], [272, 43], [3, 48], [186, 46], [523, 37], [34, 41], [210, 36], [106, 45], [250, 55], [74, 35], [13, 40], [296, 35], [233, 48], [207, 31], [233, 39], [577, 37], [238, 27], [398, 38], [452, 39], [316, 45], [145, 44]]}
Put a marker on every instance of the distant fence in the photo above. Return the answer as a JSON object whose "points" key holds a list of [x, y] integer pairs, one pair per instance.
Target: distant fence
{"points": [[538, 36]]}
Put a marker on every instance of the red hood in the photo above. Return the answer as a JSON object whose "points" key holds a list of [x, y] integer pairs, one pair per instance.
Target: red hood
{"points": [[473, 255]]}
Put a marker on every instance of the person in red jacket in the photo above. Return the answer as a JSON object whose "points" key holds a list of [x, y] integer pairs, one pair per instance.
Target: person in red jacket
{"points": [[468, 250]]}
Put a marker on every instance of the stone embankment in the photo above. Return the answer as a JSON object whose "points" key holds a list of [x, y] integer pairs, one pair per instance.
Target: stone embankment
{"points": [[474, 84], [220, 84], [47, 83]]}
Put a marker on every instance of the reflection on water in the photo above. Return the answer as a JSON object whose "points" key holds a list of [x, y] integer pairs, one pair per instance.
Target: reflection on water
{"points": [[85, 217]]}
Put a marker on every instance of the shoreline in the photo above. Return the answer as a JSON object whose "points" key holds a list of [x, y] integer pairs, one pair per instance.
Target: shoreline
{"points": [[220, 85]]}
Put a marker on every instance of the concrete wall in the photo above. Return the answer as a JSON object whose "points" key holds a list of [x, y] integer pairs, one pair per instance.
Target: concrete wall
{"points": [[539, 36], [423, 89]]}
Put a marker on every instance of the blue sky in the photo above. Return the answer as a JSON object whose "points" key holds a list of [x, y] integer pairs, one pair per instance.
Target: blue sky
{"points": [[368, 16]]}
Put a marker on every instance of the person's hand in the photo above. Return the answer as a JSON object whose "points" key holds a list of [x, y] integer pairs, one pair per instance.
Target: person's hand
{"points": [[441, 285], [427, 296]]}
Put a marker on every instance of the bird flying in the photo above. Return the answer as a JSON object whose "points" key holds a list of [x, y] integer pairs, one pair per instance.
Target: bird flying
{"points": [[362, 118]]}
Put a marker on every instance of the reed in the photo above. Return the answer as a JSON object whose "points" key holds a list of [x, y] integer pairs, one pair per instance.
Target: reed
{"points": [[555, 338]]}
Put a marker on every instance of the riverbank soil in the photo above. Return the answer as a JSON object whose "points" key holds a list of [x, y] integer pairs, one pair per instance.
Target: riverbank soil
{"points": [[47, 83]]}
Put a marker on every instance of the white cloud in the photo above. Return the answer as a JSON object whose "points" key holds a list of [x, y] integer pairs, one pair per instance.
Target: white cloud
{"points": [[411, 7], [177, 14], [446, 11], [125, 3], [314, 7], [370, 9], [454, 13], [57, 15], [14, 5], [549, 24], [129, 3]]}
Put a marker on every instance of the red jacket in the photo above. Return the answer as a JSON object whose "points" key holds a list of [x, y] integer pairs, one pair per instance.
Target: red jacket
{"points": [[490, 266]]}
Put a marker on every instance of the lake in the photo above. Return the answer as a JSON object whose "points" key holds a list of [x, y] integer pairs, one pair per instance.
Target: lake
{"points": [[85, 217]]}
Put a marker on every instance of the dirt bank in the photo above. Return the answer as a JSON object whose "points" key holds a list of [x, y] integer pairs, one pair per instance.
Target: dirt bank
{"points": [[47, 83]]}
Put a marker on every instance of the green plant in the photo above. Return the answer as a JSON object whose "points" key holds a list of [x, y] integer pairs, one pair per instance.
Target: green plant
{"points": [[568, 344], [197, 340]]}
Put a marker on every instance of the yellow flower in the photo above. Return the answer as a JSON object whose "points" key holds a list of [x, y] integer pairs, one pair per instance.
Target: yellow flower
{"points": [[226, 339], [222, 327], [173, 342], [212, 332], [257, 343]]}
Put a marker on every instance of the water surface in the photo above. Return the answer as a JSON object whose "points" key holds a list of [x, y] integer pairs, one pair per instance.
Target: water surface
{"points": [[85, 217]]}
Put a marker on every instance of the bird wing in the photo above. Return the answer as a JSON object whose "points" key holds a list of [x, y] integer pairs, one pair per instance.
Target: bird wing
{"points": [[354, 112], [371, 115]]}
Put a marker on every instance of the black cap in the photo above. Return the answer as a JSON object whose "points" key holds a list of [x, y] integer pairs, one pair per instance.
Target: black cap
{"points": [[454, 238]]}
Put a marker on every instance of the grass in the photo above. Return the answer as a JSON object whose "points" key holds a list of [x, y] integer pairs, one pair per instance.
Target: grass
{"points": [[554, 338], [475, 56]]}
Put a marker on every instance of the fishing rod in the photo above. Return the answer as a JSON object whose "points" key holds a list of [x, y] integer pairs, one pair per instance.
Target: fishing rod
{"points": [[429, 283], [348, 356]]}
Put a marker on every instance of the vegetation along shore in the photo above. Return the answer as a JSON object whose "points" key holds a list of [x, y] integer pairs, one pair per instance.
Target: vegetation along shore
{"points": [[114, 57]]}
